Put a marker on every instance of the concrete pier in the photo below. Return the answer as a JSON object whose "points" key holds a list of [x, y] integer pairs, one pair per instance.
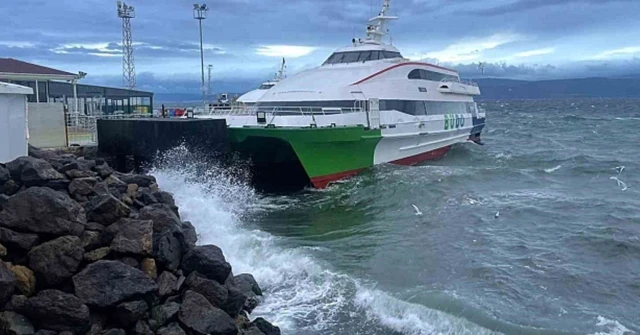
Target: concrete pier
{"points": [[143, 139]]}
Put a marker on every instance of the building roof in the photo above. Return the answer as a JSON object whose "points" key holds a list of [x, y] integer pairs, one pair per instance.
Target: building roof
{"points": [[6, 88], [10, 65]]}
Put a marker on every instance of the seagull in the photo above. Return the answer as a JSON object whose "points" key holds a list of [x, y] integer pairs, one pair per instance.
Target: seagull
{"points": [[418, 212], [619, 169], [497, 215], [621, 184]]}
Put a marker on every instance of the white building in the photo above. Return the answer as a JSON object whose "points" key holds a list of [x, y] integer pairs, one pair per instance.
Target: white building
{"points": [[14, 134]]}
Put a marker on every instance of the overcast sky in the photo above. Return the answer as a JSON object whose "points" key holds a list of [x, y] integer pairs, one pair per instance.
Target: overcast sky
{"points": [[246, 39]]}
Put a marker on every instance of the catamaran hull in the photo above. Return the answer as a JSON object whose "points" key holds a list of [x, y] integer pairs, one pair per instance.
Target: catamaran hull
{"points": [[328, 154]]}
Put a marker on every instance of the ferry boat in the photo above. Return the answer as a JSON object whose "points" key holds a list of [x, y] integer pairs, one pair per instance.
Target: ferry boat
{"points": [[365, 105], [251, 98]]}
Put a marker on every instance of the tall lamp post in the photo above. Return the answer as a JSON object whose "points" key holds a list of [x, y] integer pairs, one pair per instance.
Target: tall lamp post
{"points": [[200, 13]]}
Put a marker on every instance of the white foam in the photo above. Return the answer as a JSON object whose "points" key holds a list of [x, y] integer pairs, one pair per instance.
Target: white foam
{"points": [[302, 294], [553, 169], [612, 327], [412, 319]]}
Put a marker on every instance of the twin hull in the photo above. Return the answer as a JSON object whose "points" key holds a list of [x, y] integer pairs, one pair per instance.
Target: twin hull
{"points": [[292, 154]]}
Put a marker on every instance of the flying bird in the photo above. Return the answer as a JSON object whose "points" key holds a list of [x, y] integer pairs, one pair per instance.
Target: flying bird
{"points": [[418, 212]]}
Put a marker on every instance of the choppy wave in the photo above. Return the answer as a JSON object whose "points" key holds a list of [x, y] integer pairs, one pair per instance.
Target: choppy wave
{"points": [[302, 293]]}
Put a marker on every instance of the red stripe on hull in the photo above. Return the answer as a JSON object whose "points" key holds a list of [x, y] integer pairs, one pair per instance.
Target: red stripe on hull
{"points": [[399, 65], [323, 181], [423, 157]]}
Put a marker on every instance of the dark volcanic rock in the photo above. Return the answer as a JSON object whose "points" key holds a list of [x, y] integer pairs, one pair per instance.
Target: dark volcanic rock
{"points": [[129, 313], [134, 237], [58, 185], [166, 313], [207, 260], [55, 310], [167, 284], [115, 331], [75, 174], [15, 324], [164, 219], [172, 329], [105, 283], [147, 197], [91, 240], [43, 210], [56, 260], [246, 284], [106, 209], [10, 187], [103, 170], [7, 283], [45, 332], [4, 175], [22, 241], [96, 255], [265, 327], [167, 250], [197, 314], [190, 235], [140, 180], [142, 328], [3, 251], [33, 171], [16, 304], [132, 262], [236, 300], [82, 187], [165, 198], [215, 293], [3, 198]]}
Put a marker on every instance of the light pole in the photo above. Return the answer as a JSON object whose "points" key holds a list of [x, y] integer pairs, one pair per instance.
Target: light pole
{"points": [[200, 13]]}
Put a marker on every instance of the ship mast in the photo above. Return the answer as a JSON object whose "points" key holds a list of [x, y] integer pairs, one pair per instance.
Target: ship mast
{"points": [[280, 74], [376, 27]]}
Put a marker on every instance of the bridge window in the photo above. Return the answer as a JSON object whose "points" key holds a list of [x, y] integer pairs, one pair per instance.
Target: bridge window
{"points": [[360, 56], [430, 75]]}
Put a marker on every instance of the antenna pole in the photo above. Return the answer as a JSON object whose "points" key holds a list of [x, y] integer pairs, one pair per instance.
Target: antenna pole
{"points": [[209, 82], [200, 13], [126, 13]]}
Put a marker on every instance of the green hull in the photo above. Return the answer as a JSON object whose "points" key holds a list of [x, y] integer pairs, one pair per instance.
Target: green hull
{"points": [[326, 154]]}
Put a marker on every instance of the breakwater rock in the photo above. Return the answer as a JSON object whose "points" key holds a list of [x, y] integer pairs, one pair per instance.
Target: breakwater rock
{"points": [[88, 250]]}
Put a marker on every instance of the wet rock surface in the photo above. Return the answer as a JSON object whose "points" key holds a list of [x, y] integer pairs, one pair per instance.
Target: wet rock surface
{"points": [[105, 283], [87, 250]]}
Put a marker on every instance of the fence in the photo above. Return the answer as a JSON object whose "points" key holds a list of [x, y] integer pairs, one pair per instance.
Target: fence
{"points": [[83, 130]]}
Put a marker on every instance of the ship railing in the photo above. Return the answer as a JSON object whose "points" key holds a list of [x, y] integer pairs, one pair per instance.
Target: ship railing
{"points": [[284, 110], [460, 81], [307, 110]]}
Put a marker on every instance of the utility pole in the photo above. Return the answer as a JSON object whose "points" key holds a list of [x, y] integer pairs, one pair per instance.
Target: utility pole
{"points": [[126, 13], [200, 13], [209, 83]]}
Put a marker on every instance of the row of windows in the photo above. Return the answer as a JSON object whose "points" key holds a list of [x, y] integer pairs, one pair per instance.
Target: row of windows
{"points": [[360, 56], [417, 107], [413, 107], [430, 75]]}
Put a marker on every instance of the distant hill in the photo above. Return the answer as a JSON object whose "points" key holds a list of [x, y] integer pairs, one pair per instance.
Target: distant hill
{"points": [[624, 87], [505, 89]]}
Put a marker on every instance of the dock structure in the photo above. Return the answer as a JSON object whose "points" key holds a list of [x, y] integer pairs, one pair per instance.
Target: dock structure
{"points": [[144, 139]]}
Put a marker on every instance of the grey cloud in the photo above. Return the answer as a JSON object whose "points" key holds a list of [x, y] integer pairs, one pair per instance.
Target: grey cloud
{"points": [[527, 5]]}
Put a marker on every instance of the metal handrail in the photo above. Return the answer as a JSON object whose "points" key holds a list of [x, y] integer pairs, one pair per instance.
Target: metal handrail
{"points": [[464, 82], [285, 110]]}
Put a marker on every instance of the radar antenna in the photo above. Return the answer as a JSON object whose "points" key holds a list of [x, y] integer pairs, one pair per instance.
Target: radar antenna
{"points": [[376, 27]]}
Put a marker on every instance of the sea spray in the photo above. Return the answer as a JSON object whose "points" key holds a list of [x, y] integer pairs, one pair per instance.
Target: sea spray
{"points": [[302, 293]]}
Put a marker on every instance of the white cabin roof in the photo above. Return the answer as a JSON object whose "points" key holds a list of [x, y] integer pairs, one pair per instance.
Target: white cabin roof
{"points": [[7, 88]]}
